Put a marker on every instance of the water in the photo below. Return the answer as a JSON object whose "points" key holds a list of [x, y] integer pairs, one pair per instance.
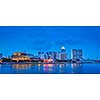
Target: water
{"points": [[50, 68]]}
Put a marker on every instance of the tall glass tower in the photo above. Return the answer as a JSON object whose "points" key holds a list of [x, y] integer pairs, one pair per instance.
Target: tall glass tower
{"points": [[63, 55]]}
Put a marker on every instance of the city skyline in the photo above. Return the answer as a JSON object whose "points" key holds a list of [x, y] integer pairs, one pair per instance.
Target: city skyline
{"points": [[61, 54], [43, 38]]}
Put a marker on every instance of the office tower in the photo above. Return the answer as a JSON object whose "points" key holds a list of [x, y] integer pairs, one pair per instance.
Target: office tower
{"points": [[41, 55], [77, 54], [63, 50], [62, 54], [52, 55], [0, 55], [47, 55]]}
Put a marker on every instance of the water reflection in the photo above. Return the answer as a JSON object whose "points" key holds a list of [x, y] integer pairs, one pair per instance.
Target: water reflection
{"points": [[22, 66], [61, 68], [48, 65], [49, 68], [0, 65], [76, 68]]}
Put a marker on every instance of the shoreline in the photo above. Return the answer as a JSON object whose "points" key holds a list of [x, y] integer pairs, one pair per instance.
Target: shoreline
{"points": [[50, 63]]}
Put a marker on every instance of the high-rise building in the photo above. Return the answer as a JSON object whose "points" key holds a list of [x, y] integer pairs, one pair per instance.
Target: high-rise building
{"points": [[52, 55], [0, 55], [41, 55], [77, 54], [62, 54], [63, 49]]}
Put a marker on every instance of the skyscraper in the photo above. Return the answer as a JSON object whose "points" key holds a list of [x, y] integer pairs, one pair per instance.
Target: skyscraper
{"points": [[77, 54], [52, 55], [62, 54], [0, 55], [41, 55], [63, 49]]}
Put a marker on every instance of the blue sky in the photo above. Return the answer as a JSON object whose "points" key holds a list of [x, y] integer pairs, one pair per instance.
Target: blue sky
{"points": [[34, 39]]}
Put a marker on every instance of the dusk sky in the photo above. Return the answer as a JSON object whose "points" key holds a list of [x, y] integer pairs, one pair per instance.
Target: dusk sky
{"points": [[34, 39]]}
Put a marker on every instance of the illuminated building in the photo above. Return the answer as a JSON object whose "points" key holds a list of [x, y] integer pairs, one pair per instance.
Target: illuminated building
{"points": [[48, 60], [0, 55], [20, 56], [54, 55], [76, 54], [62, 54], [51, 55], [48, 55], [0, 61], [41, 55], [63, 49]]}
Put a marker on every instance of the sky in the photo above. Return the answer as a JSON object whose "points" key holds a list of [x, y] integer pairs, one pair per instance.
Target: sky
{"points": [[32, 39]]}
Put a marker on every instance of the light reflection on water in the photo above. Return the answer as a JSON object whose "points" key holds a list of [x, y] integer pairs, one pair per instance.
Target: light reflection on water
{"points": [[76, 68], [50, 68]]}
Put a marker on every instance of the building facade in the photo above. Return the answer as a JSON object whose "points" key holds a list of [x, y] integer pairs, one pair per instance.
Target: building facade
{"points": [[77, 54], [48, 55], [41, 55], [0, 55], [20, 56], [62, 54]]}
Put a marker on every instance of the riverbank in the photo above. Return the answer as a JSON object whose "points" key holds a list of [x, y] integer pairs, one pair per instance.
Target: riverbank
{"points": [[49, 63]]}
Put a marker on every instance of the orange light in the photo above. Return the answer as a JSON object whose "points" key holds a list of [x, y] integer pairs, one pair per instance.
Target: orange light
{"points": [[48, 60]]}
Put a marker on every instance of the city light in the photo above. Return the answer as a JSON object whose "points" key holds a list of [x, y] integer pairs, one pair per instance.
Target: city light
{"points": [[59, 56]]}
